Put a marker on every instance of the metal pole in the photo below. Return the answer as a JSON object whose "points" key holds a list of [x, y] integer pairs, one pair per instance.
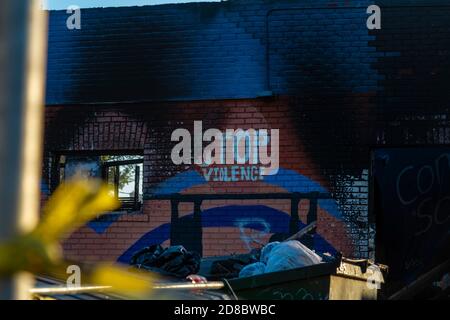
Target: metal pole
{"points": [[23, 39], [137, 176]]}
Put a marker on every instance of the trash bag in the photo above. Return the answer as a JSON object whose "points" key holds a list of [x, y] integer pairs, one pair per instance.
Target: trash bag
{"points": [[265, 251], [231, 267], [174, 261], [290, 255], [146, 256], [278, 256], [252, 270]]}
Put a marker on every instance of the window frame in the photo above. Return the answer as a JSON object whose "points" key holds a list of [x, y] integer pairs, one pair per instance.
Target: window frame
{"points": [[56, 167]]}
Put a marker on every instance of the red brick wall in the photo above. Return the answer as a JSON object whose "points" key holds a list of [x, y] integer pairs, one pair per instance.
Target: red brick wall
{"points": [[148, 128]]}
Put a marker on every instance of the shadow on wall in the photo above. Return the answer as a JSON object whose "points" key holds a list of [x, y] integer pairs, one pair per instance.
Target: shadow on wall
{"points": [[152, 53], [414, 101]]}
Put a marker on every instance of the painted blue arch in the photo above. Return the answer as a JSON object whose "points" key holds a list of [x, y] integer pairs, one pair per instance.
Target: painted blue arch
{"points": [[261, 218], [180, 182]]}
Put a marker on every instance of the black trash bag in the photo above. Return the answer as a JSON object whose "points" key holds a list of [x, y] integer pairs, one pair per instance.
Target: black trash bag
{"points": [[173, 261], [230, 267]]}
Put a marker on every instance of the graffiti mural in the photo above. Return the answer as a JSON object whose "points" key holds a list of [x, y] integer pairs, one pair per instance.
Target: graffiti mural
{"points": [[255, 224], [287, 68]]}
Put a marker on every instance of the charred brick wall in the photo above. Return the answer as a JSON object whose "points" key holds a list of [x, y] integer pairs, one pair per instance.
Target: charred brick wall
{"points": [[311, 69]]}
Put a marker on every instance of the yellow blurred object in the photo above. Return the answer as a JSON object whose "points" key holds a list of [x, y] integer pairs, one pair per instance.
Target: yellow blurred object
{"points": [[72, 205], [121, 280]]}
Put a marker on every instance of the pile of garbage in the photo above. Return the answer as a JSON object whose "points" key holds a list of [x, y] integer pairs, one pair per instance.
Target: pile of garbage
{"points": [[172, 261], [176, 261]]}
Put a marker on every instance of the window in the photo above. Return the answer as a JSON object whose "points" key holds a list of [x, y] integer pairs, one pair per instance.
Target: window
{"points": [[123, 172]]}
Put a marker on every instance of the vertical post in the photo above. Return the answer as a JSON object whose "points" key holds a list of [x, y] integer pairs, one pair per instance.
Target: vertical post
{"points": [[137, 176], [174, 222], [312, 213], [293, 225], [311, 217], [23, 39], [116, 180], [197, 228]]}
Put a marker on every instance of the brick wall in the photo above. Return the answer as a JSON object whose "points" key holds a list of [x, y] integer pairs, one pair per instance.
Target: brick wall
{"points": [[202, 50], [143, 127], [337, 91]]}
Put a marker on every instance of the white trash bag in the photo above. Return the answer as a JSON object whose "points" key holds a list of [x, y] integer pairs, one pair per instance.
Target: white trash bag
{"points": [[290, 255], [279, 256]]}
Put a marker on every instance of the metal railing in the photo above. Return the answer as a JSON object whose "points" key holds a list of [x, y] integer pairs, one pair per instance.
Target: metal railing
{"points": [[196, 242]]}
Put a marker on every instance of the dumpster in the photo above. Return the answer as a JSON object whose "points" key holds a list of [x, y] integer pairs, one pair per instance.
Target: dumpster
{"points": [[340, 279], [343, 279]]}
